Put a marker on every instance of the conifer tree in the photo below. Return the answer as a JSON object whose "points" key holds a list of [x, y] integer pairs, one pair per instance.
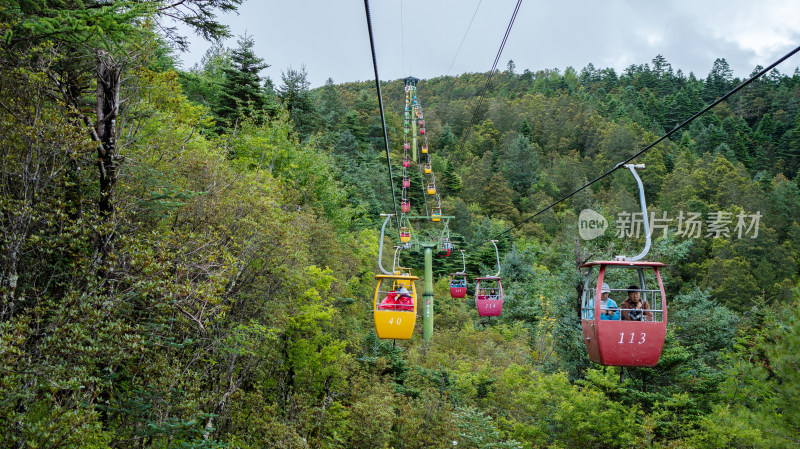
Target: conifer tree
{"points": [[495, 198], [296, 98], [241, 95], [525, 129], [719, 80], [790, 151], [520, 164], [451, 183], [331, 108], [447, 140]]}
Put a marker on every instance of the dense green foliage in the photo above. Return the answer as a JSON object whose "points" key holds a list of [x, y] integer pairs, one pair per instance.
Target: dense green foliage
{"points": [[224, 299]]}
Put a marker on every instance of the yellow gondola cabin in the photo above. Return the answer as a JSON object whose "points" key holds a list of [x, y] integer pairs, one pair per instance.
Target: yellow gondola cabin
{"points": [[395, 306]]}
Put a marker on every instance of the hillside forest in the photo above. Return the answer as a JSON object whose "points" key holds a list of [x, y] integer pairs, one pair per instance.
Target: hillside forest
{"points": [[188, 255]]}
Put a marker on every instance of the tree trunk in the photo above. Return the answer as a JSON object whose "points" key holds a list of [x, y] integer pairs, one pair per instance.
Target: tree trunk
{"points": [[8, 280], [581, 257], [108, 87]]}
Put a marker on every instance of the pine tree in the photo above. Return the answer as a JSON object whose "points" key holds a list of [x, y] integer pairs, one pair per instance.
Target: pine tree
{"points": [[520, 164], [296, 98], [526, 130], [678, 109], [589, 75], [496, 199], [240, 94], [661, 67], [789, 151], [451, 183], [719, 80], [331, 108], [447, 140]]}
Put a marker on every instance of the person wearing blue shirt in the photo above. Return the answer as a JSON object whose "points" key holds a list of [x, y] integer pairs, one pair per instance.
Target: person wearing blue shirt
{"points": [[608, 307]]}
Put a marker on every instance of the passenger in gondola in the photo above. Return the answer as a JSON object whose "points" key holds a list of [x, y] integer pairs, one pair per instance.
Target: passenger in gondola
{"points": [[389, 302], [608, 307], [634, 308], [493, 294], [404, 299]]}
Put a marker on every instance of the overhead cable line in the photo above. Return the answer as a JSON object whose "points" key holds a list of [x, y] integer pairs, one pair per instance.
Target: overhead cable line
{"points": [[662, 138], [380, 103], [402, 36], [465, 36], [491, 73]]}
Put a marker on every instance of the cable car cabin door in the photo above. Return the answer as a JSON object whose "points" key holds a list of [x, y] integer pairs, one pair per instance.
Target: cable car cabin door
{"points": [[616, 341], [489, 296], [394, 317]]}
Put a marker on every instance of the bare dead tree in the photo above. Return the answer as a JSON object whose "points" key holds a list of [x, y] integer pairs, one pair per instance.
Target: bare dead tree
{"points": [[581, 257], [105, 130]]}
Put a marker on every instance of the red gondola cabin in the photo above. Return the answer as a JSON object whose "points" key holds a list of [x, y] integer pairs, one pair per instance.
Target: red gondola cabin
{"points": [[622, 341], [489, 296], [458, 285]]}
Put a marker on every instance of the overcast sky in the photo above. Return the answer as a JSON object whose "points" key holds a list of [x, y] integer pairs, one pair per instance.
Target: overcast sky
{"points": [[422, 37]]}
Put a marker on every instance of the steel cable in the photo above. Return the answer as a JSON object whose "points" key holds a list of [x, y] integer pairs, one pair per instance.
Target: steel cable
{"points": [[661, 139], [380, 104]]}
